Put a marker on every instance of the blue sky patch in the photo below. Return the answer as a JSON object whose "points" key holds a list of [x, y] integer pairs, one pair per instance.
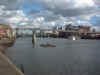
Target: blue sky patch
{"points": [[30, 7], [94, 20]]}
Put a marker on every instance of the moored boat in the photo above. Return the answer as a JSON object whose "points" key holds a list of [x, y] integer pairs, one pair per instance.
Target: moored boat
{"points": [[47, 45]]}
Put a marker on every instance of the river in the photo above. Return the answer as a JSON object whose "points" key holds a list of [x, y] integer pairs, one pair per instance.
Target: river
{"points": [[80, 57]]}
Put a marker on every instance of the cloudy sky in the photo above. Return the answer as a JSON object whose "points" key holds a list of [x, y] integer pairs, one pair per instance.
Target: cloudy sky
{"points": [[48, 13]]}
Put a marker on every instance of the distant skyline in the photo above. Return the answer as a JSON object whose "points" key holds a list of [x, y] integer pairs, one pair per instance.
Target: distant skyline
{"points": [[48, 13]]}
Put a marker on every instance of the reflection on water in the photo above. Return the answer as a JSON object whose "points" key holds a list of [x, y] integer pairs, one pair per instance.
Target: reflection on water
{"points": [[81, 57]]}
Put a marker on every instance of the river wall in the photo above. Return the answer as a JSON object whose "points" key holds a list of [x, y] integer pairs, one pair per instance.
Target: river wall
{"points": [[6, 66]]}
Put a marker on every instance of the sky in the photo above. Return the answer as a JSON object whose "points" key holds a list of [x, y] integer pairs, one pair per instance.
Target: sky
{"points": [[49, 13]]}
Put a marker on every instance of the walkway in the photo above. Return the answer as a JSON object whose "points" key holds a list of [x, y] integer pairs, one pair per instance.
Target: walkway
{"points": [[6, 66]]}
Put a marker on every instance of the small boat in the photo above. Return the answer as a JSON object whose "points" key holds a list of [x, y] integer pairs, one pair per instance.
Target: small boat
{"points": [[73, 38], [47, 45]]}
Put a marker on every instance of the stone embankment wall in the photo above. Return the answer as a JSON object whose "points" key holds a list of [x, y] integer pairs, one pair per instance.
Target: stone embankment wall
{"points": [[6, 66]]}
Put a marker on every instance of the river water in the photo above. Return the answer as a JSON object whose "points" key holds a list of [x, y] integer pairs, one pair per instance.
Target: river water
{"points": [[80, 57]]}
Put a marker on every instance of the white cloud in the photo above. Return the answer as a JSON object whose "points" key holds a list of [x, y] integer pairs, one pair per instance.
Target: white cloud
{"points": [[84, 3], [17, 17], [88, 17], [84, 23], [40, 19]]}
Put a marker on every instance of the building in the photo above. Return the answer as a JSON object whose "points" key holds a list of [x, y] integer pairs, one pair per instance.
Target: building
{"points": [[77, 31], [6, 32], [71, 28], [84, 29]]}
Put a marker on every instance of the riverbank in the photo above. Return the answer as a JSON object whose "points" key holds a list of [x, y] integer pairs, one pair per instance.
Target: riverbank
{"points": [[6, 66]]}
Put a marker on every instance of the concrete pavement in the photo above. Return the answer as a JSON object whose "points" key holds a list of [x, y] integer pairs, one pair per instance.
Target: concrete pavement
{"points": [[6, 66]]}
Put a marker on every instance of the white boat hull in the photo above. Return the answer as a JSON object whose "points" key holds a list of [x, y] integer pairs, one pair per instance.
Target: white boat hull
{"points": [[73, 38]]}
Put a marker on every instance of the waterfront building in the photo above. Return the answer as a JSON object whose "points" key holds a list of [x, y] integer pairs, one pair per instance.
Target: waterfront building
{"points": [[84, 29], [71, 28], [6, 32], [76, 31]]}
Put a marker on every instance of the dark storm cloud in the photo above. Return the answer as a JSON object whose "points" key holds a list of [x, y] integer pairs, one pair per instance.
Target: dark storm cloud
{"points": [[74, 12], [68, 8]]}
